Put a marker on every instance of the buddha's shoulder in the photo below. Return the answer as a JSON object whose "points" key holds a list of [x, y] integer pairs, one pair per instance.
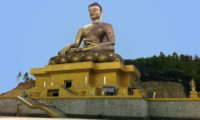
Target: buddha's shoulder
{"points": [[87, 26], [106, 24], [98, 24]]}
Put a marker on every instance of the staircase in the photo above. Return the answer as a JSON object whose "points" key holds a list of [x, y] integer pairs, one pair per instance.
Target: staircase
{"points": [[52, 111]]}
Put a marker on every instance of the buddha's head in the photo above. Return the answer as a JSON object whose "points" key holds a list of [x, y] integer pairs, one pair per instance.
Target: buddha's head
{"points": [[95, 11]]}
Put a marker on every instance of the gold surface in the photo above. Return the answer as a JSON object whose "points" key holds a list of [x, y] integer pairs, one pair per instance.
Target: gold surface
{"points": [[172, 99], [97, 36], [88, 79], [92, 97], [113, 97], [193, 92], [14, 93], [85, 66]]}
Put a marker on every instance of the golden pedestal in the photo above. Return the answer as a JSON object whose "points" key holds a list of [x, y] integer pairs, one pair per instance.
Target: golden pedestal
{"points": [[193, 94], [84, 79], [137, 93]]}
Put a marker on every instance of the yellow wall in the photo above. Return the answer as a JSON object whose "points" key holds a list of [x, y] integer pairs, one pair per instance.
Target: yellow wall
{"points": [[87, 78]]}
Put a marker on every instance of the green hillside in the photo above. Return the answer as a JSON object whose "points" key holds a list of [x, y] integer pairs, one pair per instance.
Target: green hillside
{"points": [[176, 68]]}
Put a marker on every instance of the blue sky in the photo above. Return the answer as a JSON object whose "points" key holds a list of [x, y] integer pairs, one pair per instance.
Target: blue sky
{"points": [[32, 31]]}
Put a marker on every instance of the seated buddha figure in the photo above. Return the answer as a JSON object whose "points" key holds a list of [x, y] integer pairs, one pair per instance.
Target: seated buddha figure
{"points": [[97, 36], [97, 39]]}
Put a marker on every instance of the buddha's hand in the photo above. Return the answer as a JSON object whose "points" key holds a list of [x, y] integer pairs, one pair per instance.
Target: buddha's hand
{"points": [[93, 43], [64, 50], [92, 46]]}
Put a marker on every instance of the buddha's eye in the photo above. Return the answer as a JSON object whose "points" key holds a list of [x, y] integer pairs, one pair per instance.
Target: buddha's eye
{"points": [[95, 9]]}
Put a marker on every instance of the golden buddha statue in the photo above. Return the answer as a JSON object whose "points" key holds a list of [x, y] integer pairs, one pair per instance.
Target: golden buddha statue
{"points": [[192, 85], [98, 42], [193, 92], [97, 36]]}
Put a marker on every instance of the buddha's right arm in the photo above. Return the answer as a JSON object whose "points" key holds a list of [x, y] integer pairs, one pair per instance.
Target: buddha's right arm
{"points": [[78, 40], [76, 44]]}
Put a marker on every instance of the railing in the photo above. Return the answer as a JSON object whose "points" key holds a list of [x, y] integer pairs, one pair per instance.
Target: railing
{"points": [[50, 110]]}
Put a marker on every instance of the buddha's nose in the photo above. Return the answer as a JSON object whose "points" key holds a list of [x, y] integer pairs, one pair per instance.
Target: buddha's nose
{"points": [[91, 13]]}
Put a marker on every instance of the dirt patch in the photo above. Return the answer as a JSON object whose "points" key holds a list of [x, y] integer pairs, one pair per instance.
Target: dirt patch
{"points": [[21, 87], [163, 89]]}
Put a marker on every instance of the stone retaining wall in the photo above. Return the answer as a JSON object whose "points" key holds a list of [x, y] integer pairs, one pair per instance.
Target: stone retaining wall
{"points": [[174, 109], [117, 108]]}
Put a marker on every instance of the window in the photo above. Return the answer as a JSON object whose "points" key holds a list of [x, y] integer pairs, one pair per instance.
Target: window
{"points": [[67, 84], [130, 91], [53, 93], [109, 90]]}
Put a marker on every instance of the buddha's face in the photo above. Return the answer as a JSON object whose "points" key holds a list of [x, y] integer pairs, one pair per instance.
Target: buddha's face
{"points": [[94, 12]]}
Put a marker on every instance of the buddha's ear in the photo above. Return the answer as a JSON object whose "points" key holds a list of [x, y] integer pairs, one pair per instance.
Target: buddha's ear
{"points": [[101, 15]]}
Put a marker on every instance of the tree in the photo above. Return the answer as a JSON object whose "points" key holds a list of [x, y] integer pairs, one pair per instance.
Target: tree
{"points": [[27, 78], [172, 67]]}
